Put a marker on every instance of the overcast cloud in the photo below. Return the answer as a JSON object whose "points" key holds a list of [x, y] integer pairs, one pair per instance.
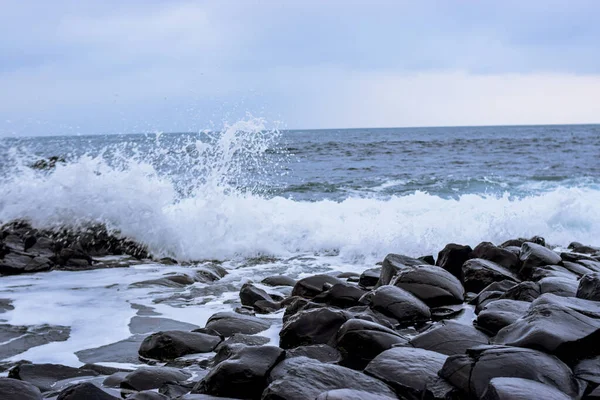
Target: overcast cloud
{"points": [[89, 67]]}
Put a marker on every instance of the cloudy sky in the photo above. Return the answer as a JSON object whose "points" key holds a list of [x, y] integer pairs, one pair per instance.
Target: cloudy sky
{"points": [[88, 67]]}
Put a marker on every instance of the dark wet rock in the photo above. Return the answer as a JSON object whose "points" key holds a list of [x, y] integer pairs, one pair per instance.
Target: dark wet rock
{"points": [[139, 325], [500, 313], [534, 255], [6, 365], [202, 397], [555, 329], [114, 380], [243, 375], [446, 312], [397, 303], [104, 370], [551, 271], [586, 307], [6, 305], [359, 341], [320, 352], [452, 258], [144, 311], [413, 373], [493, 291], [449, 338], [228, 323], [153, 377], [472, 372], [593, 265], [240, 338], [524, 291], [498, 255], [368, 314], [169, 345], [316, 326], [266, 306], [176, 390], [279, 280], [588, 370], [209, 273], [250, 294], [349, 276], [14, 263], [577, 247], [369, 278], [124, 351], [589, 287], [394, 263], [559, 286], [147, 395], [340, 295], [18, 339], [172, 281], [48, 163], [428, 259], [309, 379], [521, 389], [433, 285], [478, 273], [293, 305], [85, 391], [313, 285], [44, 376], [349, 394], [14, 389]]}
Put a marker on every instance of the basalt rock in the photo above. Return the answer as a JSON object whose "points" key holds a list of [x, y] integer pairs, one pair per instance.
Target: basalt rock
{"points": [[340, 295], [313, 285], [278, 280], [85, 391], [228, 323], [450, 338], [44, 376], [369, 278], [413, 373], [320, 352], [534, 255], [499, 314], [472, 372], [360, 341], [563, 287], [14, 389], [452, 257], [498, 255], [433, 285], [169, 345], [153, 378], [398, 304], [478, 273], [316, 326], [589, 287], [393, 264], [521, 389]]}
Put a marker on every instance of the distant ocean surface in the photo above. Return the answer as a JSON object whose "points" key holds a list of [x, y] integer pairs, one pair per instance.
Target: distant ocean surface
{"points": [[359, 194]]}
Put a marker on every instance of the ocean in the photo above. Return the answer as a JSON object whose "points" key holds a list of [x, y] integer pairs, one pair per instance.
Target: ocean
{"points": [[262, 201]]}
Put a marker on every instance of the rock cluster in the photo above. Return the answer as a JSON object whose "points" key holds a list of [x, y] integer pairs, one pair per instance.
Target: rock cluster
{"points": [[398, 331]]}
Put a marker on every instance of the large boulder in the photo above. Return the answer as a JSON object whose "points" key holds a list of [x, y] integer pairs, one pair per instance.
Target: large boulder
{"points": [[152, 378], [498, 255], [393, 264], [398, 304], [313, 285], [359, 341], [315, 326], [534, 255], [478, 273], [559, 286], [243, 375], [589, 287], [250, 294], [14, 389], [433, 285], [340, 295], [472, 372], [452, 257], [15, 263], [169, 345], [44, 376], [413, 373], [490, 293], [450, 337], [278, 280], [588, 370], [521, 389], [229, 323], [499, 314], [555, 329], [369, 278], [307, 380], [524, 291], [320, 352]]}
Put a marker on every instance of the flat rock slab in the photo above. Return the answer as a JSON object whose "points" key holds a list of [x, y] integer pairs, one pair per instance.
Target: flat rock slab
{"points": [[138, 325], [18, 339], [124, 351], [45, 376]]}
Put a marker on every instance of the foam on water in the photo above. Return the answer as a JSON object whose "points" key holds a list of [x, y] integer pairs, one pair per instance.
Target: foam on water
{"points": [[224, 216]]}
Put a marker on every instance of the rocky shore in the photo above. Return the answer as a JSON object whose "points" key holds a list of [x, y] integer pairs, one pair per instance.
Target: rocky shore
{"points": [[517, 320]]}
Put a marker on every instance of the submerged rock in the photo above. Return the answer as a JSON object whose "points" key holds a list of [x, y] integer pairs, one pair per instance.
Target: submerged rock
{"points": [[18, 339]]}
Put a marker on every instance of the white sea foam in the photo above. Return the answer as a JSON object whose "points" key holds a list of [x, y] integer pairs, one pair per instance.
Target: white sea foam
{"points": [[217, 220]]}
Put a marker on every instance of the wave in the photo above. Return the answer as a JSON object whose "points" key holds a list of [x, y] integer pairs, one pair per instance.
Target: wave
{"points": [[216, 219]]}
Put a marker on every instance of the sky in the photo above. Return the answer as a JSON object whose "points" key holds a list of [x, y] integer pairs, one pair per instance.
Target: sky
{"points": [[94, 67]]}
